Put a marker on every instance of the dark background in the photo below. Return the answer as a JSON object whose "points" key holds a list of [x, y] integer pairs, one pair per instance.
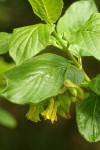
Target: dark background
{"points": [[62, 135]]}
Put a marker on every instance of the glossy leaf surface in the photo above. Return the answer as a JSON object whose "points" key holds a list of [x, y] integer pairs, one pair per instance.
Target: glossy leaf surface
{"points": [[36, 79], [88, 117]]}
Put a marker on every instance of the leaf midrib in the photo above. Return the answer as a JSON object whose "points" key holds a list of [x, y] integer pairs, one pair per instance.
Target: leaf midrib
{"points": [[46, 12], [53, 69]]}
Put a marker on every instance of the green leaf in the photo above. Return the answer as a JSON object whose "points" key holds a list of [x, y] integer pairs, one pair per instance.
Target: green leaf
{"points": [[88, 117], [64, 108], [94, 85], [7, 119], [88, 38], [49, 11], [75, 17], [74, 75], [4, 42], [73, 20], [35, 80], [28, 41], [77, 51]]}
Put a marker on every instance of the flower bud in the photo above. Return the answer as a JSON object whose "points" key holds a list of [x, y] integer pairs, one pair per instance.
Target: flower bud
{"points": [[80, 94], [69, 84], [73, 91]]}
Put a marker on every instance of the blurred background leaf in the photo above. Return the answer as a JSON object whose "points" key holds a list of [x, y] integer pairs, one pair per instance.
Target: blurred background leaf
{"points": [[7, 119]]}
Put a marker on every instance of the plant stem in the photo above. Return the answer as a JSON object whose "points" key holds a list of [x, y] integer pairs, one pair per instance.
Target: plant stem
{"points": [[75, 62], [85, 75]]}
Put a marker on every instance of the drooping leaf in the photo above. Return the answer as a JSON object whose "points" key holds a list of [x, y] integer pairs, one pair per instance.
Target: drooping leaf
{"points": [[88, 117], [75, 17], [4, 42], [29, 41], [7, 119], [94, 85], [88, 38], [74, 75], [49, 11], [35, 80]]}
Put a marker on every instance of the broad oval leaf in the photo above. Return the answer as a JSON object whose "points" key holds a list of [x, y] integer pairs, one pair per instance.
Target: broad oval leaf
{"points": [[94, 85], [73, 20], [35, 80], [75, 17], [74, 75], [4, 42], [88, 117], [49, 11], [88, 38], [29, 41], [7, 119]]}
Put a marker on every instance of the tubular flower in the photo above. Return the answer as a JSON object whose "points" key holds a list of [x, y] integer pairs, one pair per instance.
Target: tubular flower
{"points": [[33, 113], [50, 112]]}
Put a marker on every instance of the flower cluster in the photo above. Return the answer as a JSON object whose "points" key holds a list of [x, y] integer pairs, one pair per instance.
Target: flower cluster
{"points": [[59, 104], [48, 113]]}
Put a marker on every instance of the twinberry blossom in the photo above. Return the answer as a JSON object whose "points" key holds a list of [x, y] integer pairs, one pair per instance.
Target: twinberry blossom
{"points": [[68, 94], [33, 113], [50, 112]]}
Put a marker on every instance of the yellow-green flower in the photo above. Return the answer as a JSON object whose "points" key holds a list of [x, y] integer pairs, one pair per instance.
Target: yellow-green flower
{"points": [[50, 112], [33, 113]]}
